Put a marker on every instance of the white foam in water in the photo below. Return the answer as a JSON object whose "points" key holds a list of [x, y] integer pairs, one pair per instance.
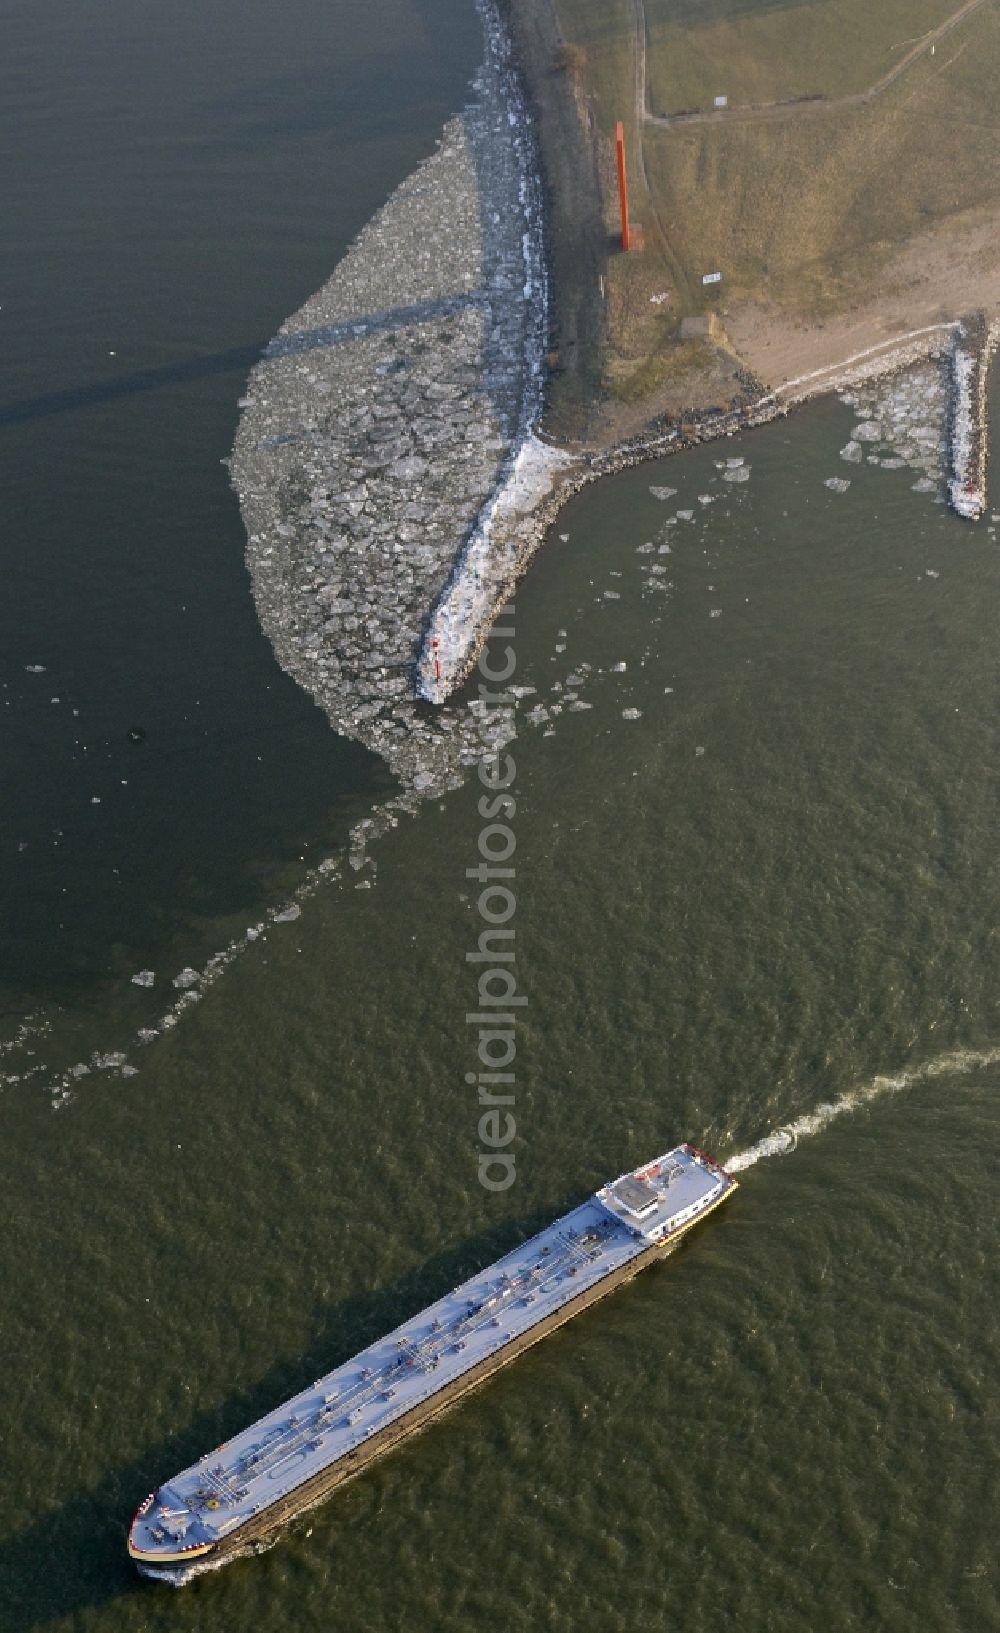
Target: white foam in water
{"points": [[783, 1140]]}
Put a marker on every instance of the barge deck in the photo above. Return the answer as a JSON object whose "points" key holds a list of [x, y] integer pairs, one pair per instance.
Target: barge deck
{"points": [[236, 1497]]}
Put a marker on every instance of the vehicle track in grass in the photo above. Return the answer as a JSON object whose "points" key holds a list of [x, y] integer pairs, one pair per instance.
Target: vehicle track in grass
{"points": [[765, 112]]}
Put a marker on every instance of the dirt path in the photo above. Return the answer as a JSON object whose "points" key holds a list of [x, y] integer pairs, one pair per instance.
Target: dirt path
{"points": [[791, 109], [680, 278]]}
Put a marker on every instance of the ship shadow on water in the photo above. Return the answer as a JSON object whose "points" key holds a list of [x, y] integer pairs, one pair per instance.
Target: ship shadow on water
{"points": [[72, 1558]]}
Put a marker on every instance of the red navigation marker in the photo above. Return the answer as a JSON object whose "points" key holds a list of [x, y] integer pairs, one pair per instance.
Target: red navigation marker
{"points": [[435, 644], [623, 185]]}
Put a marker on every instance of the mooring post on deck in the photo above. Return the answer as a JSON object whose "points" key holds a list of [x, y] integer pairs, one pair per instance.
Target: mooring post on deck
{"points": [[623, 185]]}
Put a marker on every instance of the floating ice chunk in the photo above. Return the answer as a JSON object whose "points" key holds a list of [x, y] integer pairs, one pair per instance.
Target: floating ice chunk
{"points": [[611, 595], [699, 751], [925, 485], [734, 464], [837, 484], [867, 431], [619, 668], [575, 708], [564, 538], [187, 978], [736, 473], [852, 452], [706, 498], [145, 978], [34, 668], [108, 1062], [716, 612], [631, 714], [289, 914], [930, 573], [663, 493], [538, 715], [686, 515]]}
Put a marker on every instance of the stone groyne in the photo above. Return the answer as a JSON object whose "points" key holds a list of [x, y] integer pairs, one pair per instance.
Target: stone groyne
{"points": [[545, 478], [968, 431], [385, 423]]}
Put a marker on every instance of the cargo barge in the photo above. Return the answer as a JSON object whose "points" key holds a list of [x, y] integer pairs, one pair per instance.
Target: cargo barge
{"points": [[235, 1498]]}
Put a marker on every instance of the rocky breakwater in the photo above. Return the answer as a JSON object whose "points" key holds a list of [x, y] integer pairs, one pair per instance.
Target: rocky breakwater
{"points": [[973, 347], [384, 420]]}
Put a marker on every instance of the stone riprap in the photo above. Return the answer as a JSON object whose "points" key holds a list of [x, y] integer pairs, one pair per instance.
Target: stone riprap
{"points": [[971, 353], [389, 411], [503, 539]]}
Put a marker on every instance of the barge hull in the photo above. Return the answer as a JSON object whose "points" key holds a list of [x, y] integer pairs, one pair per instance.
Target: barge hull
{"points": [[260, 1531], [251, 1487]]}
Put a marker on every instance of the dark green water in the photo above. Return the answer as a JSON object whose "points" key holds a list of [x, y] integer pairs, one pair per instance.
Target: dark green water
{"points": [[174, 186], [790, 1425]]}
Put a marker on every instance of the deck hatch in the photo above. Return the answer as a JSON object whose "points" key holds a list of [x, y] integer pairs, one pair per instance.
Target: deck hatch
{"points": [[635, 1195]]}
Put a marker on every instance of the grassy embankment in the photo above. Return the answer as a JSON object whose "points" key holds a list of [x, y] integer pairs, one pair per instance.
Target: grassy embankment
{"points": [[757, 51], [803, 209]]}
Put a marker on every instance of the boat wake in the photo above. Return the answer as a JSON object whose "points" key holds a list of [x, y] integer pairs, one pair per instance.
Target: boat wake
{"points": [[780, 1142], [179, 1576]]}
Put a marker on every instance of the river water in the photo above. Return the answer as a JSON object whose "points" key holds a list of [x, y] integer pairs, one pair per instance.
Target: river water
{"points": [[768, 890]]}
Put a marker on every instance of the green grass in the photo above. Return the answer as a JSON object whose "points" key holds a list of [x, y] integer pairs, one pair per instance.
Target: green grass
{"points": [[675, 360], [804, 211], [605, 29], [767, 50]]}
